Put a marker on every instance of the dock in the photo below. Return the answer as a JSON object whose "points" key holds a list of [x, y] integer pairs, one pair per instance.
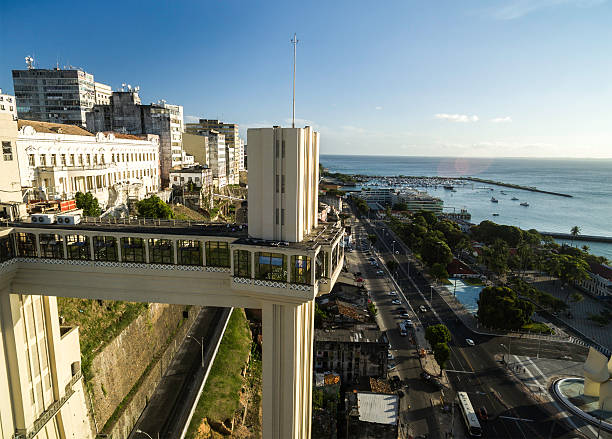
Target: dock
{"points": [[569, 237], [514, 186]]}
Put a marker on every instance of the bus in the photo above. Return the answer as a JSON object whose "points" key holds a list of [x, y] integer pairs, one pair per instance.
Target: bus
{"points": [[469, 416]]}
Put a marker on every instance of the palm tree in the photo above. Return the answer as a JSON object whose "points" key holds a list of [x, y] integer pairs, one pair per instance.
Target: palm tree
{"points": [[586, 248], [575, 231]]}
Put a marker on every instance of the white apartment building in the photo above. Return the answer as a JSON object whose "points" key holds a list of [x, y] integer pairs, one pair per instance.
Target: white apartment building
{"points": [[283, 178], [8, 105], [177, 128], [103, 93], [57, 160], [600, 280], [199, 175], [217, 157]]}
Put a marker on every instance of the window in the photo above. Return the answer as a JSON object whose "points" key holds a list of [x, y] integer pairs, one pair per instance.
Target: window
{"points": [[51, 246], [43, 160], [321, 264], [283, 148], [217, 254], [276, 216], [189, 252], [105, 248], [271, 266], [242, 263], [80, 159], [7, 151], [300, 266], [276, 186], [7, 251], [282, 184], [72, 163], [132, 250], [78, 247], [88, 159], [31, 160], [26, 245], [282, 217], [276, 148], [63, 159], [161, 251], [53, 160]]}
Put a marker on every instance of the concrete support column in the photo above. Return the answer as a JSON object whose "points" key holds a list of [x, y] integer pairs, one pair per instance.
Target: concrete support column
{"points": [[289, 269], [252, 265], [146, 250], [287, 370]]}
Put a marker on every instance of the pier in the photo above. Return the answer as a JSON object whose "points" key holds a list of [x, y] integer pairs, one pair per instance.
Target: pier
{"points": [[590, 238], [514, 186]]}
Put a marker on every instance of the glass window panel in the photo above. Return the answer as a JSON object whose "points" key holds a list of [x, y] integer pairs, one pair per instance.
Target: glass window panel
{"points": [[132, 250], [105, 248], [300, 266], [270, 266], [7, 250], [161, 251], [78, 247], [51, 246], [189, 252], [242, 263], [217, 254], [26, 245]]}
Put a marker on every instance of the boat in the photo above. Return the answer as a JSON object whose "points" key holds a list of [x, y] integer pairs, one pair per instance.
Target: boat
{"points": [[525, 203], [503, 193], [496, 214], [448, 187], [494, 200], [514, 199]]}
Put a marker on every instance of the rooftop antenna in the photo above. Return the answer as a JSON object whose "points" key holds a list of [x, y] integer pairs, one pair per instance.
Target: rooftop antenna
{"points": [[29, 62], [294, 41]]}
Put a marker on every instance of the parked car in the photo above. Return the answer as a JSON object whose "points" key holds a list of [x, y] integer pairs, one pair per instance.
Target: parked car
{"points": [[392, 293], [423, 308], [389, 356], [396, 302], [408, 322], [380, 272], [425, 376], [405, 315], [469, 341]]}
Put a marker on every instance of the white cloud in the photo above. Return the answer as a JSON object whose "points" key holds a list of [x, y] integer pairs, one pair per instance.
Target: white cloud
{"points": [[506, 119], [513, 9], [191, 119], [464, 118], [378, 107]]}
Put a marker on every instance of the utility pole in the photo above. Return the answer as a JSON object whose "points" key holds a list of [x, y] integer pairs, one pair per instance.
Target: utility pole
{"points": [[294, 41]]}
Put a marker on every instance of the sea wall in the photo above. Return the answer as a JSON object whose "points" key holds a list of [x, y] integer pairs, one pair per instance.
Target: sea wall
{"points": [[121, 364]]}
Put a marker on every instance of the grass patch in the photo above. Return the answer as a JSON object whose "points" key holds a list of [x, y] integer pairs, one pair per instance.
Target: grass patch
{"points": [[445, 282], [99, 322], [477, 282], [220, 397], [187, 214], [537, 327]]}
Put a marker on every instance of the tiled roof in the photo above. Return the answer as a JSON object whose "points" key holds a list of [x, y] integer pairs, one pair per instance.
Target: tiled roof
{"points": [[378, 385], [55, 128]]}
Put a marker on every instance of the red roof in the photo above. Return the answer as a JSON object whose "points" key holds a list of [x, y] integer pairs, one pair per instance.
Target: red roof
{"points": [[458, 267]]}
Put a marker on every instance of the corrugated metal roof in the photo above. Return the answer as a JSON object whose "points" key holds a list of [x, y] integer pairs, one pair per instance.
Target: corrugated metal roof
{"points": [[378, 407]]}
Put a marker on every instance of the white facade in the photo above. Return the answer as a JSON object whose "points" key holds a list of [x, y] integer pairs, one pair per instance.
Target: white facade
{"points": [[57, 165], [201, 176], [283, 179], [8, 105], [217, 157], [103, 93], [177, 128], [600, 281], [241, 156]]}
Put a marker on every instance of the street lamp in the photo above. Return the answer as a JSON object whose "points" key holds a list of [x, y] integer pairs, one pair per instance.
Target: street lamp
{"points": [[431, 288], [508, 348], [393, 247], [147, 434], [201, 346]]}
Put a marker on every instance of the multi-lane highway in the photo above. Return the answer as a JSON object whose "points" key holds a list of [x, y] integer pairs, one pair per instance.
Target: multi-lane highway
{"points": [[475, 369]]}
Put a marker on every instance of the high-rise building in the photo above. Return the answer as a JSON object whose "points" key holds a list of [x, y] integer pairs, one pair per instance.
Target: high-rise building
{"points": [[55, 95], [126, 114], [232, 140], [241, 152], [217, 157], [197, 146], [7, 105], [283, 178]]}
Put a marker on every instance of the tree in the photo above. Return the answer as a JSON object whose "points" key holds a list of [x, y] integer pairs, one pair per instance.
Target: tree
{"points": [[372, 309], [500, 307], [441, 353], [154, 207], [496, 256], [438, 271], [437, 334], [88, 203], [403, 207], [372, 238], [575, 231], [392, 265], [435, 250]]}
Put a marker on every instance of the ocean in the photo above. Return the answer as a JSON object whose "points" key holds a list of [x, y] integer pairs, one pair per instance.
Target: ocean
{"points": [[589, 181]]}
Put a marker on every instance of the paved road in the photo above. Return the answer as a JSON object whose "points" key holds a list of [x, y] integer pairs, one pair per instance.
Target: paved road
{"points": [[474, 368], [165, 414]]}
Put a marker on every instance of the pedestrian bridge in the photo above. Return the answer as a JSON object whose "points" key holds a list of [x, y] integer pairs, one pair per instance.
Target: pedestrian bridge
{"points": [[195, 264]]}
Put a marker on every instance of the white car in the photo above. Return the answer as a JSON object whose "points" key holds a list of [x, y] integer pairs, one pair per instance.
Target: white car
{"points": [[392, 293], [389, 356], [423, 308], [380, 272], [408, 322], [396, 302], [469, 341]]}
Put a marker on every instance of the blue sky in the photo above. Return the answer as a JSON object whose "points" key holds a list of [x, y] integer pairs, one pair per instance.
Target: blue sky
{"points": [[449, 78]]}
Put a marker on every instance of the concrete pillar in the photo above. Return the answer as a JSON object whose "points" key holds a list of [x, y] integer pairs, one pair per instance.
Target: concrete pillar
{"points": [[252, 265], [287, 370]]}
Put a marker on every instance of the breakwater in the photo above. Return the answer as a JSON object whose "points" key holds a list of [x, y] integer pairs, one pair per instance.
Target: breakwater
{"points": [[515, 186], [590, 238]]}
